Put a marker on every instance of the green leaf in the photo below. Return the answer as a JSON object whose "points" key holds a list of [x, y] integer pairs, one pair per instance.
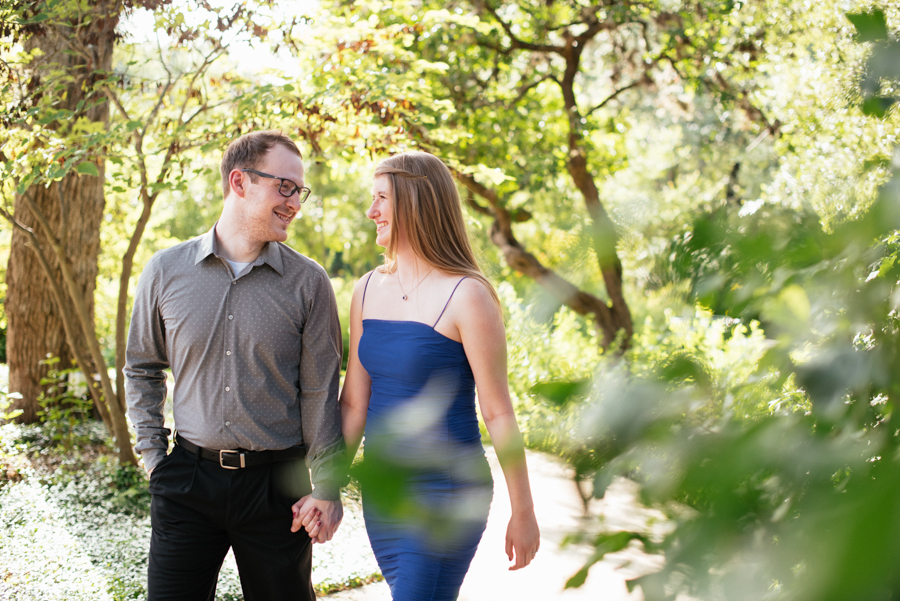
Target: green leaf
{"points": [[886, 265], [682, 367], [36, 19], [877, 106], [870, 27], [87, 168], [578, 579], [876, 162], [605, 543], [559, 392]]}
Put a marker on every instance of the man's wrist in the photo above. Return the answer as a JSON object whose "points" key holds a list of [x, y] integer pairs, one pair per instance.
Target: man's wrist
{"points": [[327, 490], [152, 457]]}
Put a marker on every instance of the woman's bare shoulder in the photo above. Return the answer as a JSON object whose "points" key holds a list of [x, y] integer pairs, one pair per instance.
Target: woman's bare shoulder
{"points": [[476, 295], [361, 283]]}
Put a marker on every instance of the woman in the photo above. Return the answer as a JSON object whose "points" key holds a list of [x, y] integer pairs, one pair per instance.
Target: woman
{"points": [[425, 330]]}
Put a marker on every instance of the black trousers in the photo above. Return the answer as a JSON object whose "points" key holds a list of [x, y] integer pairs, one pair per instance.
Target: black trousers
{"points": [[199, 510]]}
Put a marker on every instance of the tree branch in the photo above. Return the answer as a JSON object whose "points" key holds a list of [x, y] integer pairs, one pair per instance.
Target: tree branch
{"points": [[114, 98], [525, 89], [478, 208], [520, 44], [63, 216], [208, 60], [613, 95], [521, 260]]}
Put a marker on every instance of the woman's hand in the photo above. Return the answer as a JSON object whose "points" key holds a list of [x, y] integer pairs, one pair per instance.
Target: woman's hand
{"points": [[320, 518], [522, 537]]}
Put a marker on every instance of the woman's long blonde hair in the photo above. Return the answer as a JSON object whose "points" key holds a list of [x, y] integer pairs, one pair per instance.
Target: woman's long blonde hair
{"points": [[427, 210]]}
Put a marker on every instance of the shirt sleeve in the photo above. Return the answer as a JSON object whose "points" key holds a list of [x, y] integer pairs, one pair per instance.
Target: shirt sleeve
{"points": [[320, 366], [145, 362]]}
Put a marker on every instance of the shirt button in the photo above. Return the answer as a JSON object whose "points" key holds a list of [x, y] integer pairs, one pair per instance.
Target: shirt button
{"points": [[234, 282], [228, 389], [227, 423], [231, 317], [228, 353]]}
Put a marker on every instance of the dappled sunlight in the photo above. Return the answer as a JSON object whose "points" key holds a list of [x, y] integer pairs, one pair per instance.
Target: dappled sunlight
{"points": [[47, 557]]}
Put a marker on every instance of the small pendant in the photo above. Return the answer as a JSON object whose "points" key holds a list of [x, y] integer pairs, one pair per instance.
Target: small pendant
{"points": [[405, 297]]}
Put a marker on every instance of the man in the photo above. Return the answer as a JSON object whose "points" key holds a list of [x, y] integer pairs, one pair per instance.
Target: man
{"points": [[250, 330]]}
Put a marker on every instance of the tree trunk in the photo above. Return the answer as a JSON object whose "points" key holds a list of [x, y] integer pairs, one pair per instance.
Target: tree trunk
{"points": [[605, 237], [34, 326]]}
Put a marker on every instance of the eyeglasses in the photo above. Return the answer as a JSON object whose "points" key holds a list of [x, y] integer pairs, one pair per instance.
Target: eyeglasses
{"points": [[287, 187]]}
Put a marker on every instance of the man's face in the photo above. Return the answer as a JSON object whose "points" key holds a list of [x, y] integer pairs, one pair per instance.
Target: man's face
{"points": [[265, 213]]}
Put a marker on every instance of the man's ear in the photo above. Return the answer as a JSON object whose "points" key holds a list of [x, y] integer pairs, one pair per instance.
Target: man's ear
{"points": [[237, 179]]}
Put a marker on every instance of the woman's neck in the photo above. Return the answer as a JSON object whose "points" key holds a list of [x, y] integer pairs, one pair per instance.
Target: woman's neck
{"points": [[410, 266]]}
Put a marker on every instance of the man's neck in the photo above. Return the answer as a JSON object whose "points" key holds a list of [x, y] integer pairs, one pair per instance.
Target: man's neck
{"points": [[233, 244]]}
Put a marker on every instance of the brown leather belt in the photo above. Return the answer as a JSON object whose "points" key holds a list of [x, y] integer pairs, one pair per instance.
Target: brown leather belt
{"points": [[239, 458]]}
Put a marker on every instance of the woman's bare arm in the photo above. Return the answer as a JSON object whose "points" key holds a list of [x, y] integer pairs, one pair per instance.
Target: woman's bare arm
{"points": [[481, 330]]}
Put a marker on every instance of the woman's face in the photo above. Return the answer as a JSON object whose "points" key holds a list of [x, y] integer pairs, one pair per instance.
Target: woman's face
{"points": [[381, 211]]}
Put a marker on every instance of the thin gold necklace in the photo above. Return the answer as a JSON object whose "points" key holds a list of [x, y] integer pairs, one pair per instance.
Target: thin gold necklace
{"points": [[405, 295]]}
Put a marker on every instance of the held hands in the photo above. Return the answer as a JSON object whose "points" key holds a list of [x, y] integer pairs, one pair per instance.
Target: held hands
{"points": [[522, 537], [320, 518]]}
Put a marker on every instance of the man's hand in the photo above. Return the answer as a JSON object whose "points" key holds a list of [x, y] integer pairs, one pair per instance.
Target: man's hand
{"points": [[320, 518]]}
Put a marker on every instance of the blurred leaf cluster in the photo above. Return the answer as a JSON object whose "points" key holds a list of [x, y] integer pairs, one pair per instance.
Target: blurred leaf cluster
{"points": [[796, 499]]}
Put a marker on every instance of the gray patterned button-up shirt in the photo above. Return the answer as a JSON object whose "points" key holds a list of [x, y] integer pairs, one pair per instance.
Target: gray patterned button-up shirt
{"points": [[256, 356]]}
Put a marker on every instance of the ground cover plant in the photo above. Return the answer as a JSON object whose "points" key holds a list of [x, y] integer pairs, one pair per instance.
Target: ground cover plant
{"points": [[75, 525]]}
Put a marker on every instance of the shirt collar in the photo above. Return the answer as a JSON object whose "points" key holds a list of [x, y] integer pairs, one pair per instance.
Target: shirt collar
{"points": [[271, 253], [207, 245]]}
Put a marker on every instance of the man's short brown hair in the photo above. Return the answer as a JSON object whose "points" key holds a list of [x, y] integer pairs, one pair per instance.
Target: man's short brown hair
{"points": [[248, 151]]}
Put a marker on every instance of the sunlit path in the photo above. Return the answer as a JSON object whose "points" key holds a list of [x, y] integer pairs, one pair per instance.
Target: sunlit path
{"points": [[559, 509]]}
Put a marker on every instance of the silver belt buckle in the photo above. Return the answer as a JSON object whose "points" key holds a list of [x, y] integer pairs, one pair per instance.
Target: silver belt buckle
{"points": [[229, 467]]}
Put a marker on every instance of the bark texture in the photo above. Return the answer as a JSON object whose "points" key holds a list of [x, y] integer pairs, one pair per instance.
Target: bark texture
{"points": [[34, 324]]}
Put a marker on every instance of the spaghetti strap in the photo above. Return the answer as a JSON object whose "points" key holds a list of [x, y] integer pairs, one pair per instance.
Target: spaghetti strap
{"points": [[365, 288], [448, 301]]}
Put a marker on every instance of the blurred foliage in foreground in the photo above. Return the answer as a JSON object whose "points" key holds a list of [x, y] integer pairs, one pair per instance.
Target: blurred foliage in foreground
{"points": [[798, 504]]}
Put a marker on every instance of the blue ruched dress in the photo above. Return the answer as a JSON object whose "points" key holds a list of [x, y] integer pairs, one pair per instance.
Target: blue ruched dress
{"points": [[421, 418]]}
